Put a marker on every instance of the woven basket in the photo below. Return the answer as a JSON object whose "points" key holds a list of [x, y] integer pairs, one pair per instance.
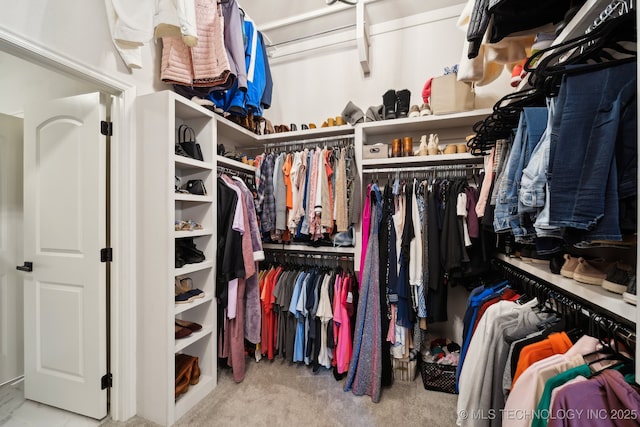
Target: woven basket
{"points": [[438, 377]]}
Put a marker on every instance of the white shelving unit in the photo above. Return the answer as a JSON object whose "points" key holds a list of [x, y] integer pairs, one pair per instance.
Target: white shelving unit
{"points": [[158, 117], [451, 129]]}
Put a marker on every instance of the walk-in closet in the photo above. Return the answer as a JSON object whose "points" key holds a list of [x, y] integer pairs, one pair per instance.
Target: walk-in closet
{"points": [[324, 213]]}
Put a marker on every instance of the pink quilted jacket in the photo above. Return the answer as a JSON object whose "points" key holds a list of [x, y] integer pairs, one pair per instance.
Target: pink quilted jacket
{"points": [[207, 63]]}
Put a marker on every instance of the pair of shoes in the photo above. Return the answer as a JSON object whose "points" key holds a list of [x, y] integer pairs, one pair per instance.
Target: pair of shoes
{"points": [[330, 122], [188, 225], [569, 266], [187, 372], [281, 128], [184, 328], [182, 332], [425, 110], [423, 149], [619, 278], [421, 111], [185, 292], [187, 252], [395, 104], [192, 326], [591, 272], [414, 111], [352, 114]]}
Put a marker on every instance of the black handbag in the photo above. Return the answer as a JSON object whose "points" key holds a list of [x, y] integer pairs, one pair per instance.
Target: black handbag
{"points": [[196, 186], [188, 144]]}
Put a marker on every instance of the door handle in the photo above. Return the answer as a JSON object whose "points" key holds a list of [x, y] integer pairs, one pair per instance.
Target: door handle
{"points": [[27, 266]]}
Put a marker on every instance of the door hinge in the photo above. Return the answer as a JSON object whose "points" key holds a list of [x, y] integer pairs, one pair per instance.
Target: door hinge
{"points": [[106, 381], [106, 128], [106, 255]]}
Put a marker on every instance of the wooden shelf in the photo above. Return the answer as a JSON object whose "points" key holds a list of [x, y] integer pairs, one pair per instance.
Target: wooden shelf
{"points": [[595, 296]]}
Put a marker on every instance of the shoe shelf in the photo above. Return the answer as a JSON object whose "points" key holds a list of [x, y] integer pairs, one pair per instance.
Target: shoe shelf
{"points": [[302, 135], [186, 163], [234, 164], [347, 250], [192, 268], [158, 117], [181, 308], [414, 161], [193, 198], [194, 233], [592, 295], [183, 343], [416, 124], [196, 393]]}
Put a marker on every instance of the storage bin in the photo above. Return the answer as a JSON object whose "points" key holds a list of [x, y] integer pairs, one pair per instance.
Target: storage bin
{"points": [[438, 377], [404, 369], [375, 151], [448, 95]]}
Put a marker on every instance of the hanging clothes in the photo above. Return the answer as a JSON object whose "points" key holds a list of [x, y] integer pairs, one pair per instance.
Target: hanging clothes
{"points": [[364, 376]]}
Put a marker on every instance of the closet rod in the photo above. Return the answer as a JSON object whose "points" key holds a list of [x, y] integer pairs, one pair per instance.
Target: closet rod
{"points": [[307, 141], [423, 168], [530, 283], [338, 257], [236, 172], [310, 36]]}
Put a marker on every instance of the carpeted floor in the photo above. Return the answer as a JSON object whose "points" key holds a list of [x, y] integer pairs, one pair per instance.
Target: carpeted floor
{"points": [[279, 394]]}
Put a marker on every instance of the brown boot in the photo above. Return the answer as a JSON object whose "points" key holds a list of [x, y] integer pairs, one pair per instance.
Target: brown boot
{"points": [[184, 367], [195, 372]]}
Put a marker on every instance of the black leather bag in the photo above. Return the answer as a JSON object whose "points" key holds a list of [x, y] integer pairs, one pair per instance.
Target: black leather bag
{"points": [[188, 144], [196, 186]]}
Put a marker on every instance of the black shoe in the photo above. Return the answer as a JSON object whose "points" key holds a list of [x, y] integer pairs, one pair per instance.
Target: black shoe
{"points": [[389, 100], [556, 263], [402, 103], [187, 249]]}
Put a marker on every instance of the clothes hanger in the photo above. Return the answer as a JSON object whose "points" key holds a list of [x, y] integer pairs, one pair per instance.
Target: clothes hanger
{"points": [[582, 54]]}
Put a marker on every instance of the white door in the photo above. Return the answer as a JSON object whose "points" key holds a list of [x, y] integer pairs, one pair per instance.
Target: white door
{"points": [[11, 318], [64, 232]]}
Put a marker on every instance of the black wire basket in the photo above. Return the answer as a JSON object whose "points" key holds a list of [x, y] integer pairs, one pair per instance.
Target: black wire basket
{"points": [[438, 377]]}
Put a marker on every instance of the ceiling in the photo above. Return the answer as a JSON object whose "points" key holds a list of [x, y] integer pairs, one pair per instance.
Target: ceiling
{"points": [[306, 18]]}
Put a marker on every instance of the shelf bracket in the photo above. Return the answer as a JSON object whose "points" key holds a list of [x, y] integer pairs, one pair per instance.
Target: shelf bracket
{"points": [[362, 37]]}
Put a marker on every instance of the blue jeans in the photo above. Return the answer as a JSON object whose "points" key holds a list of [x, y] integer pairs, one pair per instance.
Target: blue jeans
{"points": [[583, 173], [533, 121]]}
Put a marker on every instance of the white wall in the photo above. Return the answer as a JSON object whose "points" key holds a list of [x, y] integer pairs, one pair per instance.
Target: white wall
{"points": [[315, 85], [77, 30], [308, 87]]}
